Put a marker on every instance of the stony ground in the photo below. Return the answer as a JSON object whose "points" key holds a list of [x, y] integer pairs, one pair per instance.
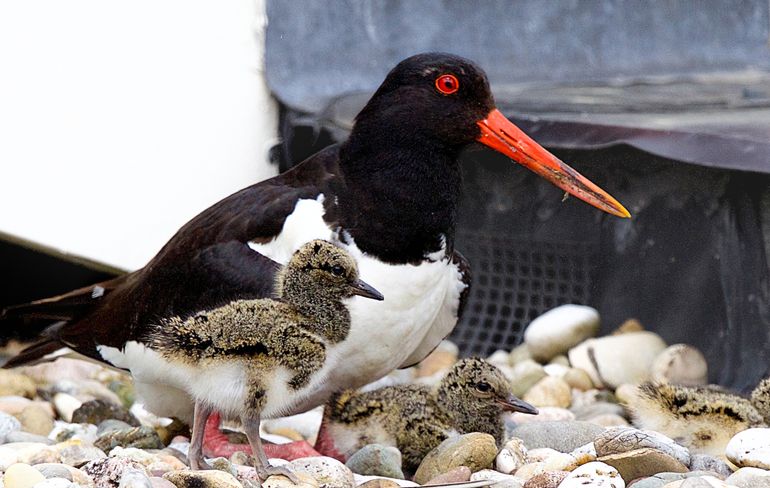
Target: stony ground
{"points": [[73, 423]]}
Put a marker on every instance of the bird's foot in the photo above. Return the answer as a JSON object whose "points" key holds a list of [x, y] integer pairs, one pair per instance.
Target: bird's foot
{"points": [[198, 462], [263, 472], [216, 444]]}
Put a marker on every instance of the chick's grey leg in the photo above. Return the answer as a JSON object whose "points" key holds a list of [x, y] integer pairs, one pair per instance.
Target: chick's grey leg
{"points": [[195, 454], [251, 427]]}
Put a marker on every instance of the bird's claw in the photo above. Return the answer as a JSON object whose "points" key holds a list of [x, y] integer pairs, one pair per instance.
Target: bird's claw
{"points": [[265, 471]]}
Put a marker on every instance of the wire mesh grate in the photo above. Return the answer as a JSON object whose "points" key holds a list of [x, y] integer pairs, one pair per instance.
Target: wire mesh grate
{"points": [[514, 281]]}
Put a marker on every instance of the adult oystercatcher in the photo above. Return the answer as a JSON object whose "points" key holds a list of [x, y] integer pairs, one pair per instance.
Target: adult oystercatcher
{"points": [[388, 195]]}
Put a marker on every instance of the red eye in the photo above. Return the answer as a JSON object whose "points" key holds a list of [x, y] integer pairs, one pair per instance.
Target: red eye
{"points": [[447, 84]]}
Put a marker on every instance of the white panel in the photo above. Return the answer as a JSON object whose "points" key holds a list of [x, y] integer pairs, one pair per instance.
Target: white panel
{"points": [[119, 121]]}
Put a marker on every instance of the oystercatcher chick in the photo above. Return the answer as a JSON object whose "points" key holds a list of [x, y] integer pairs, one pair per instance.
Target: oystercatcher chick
{"points": [[472, 397], [251, 359], [701, 418], [389, 195]]}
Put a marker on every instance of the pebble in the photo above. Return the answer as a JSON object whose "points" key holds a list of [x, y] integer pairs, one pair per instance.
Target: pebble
{"points": [[518, 354], [500, 357], [278, 481], [625, 358], [106, 473], [13, 383], [525, 375], [475, 450], [134, 478], [749, 478], [63, 431], [77, 453], [501, 480], [378, 483], [97, 411], [55, 483], [643, 462], [54, 470], [556, 370], [8, 424], [559, 329], [202, 479], [530, 470], [578, 378], [65, 405], [680, 364], [382, 482], [608, 420], [750, 448], [456, 475], [699, 482], [21, 475], [143, 437], [552, 479], [618, 440], [545, 414], [376, 460], [561, 436], [705, 462], [511, 457], [111, 425], [158, 482], [593, 409], [14, 404], [630, 325], [594, 474], [36, 419], [328, 471], [549, 392]]}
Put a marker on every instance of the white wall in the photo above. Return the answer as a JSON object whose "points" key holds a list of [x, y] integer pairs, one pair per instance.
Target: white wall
{"points": [[121, 120]]}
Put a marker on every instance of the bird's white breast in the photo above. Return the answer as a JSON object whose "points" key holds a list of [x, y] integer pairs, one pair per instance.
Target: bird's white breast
{"points": [[419, 309]]}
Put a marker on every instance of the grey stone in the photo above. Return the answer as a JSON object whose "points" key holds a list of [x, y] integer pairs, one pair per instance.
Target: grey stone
{"points": [[140, 437], [329, 472], [202, 479], [618, 440], [750, 478], [8, 424], [97, 411], [642, 462], [587, 411], [54, 470], [377, 460], [111, 425], [134, 478], [561, 436], [704, 462], [21, 436]]}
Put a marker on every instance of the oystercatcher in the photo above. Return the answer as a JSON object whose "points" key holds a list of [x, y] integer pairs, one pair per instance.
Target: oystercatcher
{"points": [[254, 358], [388, 195]]}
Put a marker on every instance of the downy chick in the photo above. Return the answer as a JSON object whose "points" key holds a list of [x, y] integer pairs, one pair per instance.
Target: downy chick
{"points": [[472, 397], [251, 359], [703, 419]]}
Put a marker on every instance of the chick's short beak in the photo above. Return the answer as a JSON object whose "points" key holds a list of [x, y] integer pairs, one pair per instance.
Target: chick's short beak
{"points": [[365, 290], [514, 404]]}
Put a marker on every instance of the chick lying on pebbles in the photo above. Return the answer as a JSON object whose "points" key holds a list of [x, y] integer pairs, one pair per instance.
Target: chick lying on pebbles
{"points": [[703, 419], [472, 397]]}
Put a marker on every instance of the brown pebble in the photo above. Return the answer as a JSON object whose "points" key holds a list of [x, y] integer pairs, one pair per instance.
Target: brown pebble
{"points": [[456, 475], [630, 325], [379, 483], [551, 479]]}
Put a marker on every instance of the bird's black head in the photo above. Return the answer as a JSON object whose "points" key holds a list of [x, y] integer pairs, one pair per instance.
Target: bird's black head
{"points": [[434, 98], [432, 105]]}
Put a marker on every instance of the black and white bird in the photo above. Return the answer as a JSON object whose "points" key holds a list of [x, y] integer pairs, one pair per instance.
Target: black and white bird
{"points": [[389, 195], [251, 359]]}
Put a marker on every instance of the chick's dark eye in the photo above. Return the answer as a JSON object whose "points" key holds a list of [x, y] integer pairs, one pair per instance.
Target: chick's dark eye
{"points": [[447, 84], [337, 270], [483, 386]]}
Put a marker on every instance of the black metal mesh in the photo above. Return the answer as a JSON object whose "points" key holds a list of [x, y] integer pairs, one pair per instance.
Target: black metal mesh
{"points": [[514, 281]]}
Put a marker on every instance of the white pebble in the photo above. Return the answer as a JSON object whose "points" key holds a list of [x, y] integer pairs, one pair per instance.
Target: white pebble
{"points": [[66, 405], [750, 448], [21, 475], [594, 474]]}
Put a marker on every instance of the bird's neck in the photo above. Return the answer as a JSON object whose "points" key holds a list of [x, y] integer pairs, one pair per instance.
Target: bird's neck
{"points": [[324, 316], [400, 198]]}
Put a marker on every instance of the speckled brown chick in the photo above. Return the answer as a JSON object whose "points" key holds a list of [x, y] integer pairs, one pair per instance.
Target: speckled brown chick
{"points": [[760, 398], [472, 397], [250, 359], [703, 419]]}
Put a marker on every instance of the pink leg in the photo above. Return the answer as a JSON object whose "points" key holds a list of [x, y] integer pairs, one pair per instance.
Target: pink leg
{"points": [[216, 444]]}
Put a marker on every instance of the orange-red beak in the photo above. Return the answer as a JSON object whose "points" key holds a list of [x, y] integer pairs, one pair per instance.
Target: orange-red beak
{"points": [[501, 135]]}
